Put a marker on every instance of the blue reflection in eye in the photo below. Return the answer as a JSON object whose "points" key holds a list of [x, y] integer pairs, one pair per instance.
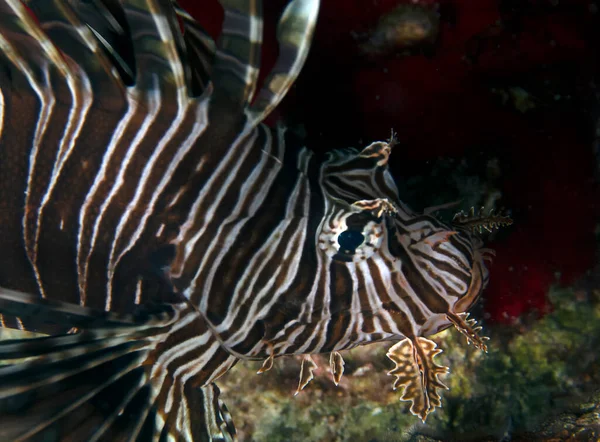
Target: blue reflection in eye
{"points": [[350, 240]]}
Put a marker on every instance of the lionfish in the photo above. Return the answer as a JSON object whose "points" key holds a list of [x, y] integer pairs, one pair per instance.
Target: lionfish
{"points": [[155, 231]]}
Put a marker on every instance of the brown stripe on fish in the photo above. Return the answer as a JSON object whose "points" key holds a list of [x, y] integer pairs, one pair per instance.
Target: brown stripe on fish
{"points": [[393, 302], [415, 273]]}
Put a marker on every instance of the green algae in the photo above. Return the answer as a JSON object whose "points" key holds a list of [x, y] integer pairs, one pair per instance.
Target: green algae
{"points": [[331, 420]]}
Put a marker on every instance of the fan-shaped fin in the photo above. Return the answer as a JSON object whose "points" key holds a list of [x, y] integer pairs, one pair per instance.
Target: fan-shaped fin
{"points": [[417, 372], [237, 60], [294, 34], [103, 383]]}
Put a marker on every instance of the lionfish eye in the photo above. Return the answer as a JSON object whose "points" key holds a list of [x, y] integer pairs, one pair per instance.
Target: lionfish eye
{"points": [[351, 236], [350, 240]]}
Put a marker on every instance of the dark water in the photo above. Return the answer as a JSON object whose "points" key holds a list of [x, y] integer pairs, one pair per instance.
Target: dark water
{"points": [[500, 108]]}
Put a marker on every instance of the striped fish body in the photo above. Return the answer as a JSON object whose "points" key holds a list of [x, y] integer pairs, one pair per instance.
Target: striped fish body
{"points": [[158, 232], [124, 144]]}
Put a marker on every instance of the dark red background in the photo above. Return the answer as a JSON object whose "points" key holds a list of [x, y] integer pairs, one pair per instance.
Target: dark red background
{"points": [[440, 102]]}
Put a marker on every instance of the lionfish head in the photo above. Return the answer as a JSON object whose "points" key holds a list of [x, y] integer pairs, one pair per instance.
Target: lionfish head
{"points": [[399, 275], [402, 273], [407, 272]]}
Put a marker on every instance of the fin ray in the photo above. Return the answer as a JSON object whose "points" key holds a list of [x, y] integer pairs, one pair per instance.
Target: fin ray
{"points": [[102, 383], [45, 311], [26, 46], [158, 45], [200, 51], [237, 60], [294, 33], [60, 22]]}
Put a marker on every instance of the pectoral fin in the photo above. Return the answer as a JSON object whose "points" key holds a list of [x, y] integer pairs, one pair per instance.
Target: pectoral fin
{"points": [[417, 372], [109, 381]]}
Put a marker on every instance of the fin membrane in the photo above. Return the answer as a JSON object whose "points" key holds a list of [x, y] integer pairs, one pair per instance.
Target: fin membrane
{"points": [[100, 383], [417, 372]]}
